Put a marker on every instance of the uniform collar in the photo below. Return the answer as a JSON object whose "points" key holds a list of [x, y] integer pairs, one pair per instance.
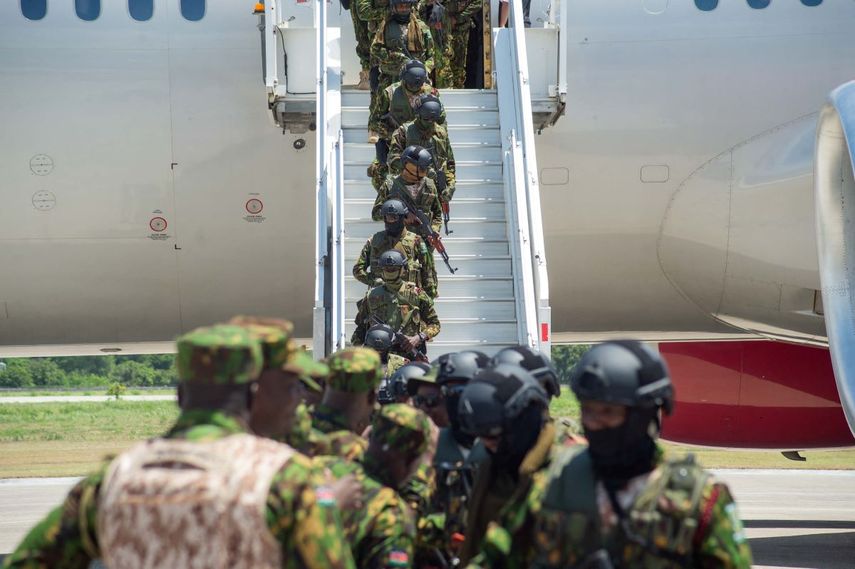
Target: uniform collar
{"points": [[205, 424]]}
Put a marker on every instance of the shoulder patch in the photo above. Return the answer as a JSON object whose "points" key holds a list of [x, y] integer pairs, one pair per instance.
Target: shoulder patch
{"points": [[399, 558]]}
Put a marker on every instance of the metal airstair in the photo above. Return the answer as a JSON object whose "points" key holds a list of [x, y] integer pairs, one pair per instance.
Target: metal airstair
{"points": [[500, 294]]}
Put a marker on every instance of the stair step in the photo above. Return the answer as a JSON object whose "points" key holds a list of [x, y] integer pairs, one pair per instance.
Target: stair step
{"points": [[447, 309], [465, 287], [462, 228], [463, 330], [471, 208], [439, 347], [450, 98], [457, 134], [466, 172], [456, 247], [358, 117], [362, 189], [365, 153], [466, 265]]}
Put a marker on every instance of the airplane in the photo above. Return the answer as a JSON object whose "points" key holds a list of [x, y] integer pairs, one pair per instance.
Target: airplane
{"points": [[144, 192]]}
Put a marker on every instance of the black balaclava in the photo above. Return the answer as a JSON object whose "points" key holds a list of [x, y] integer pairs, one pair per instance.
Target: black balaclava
{"points": [[395, 229], [401, 18], [518, 439], [626, 451], [452, 404]]}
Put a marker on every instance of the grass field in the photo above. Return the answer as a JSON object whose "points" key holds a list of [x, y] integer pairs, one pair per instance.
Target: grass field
{"points": [[71, 439], [93, 391]]}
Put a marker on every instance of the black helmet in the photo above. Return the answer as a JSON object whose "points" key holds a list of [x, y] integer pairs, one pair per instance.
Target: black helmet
{"points": [[418, 156], [625, 372], [380, 337], [536, 364], [394, 207], [396, 2], [496, 397], [392, 258], [414, 74], [402, 376], [460, 366], [430, 109]]}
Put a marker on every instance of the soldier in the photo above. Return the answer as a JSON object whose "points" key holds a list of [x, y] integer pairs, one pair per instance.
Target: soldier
{"points": [[433, 12], [567, 431], [413, 188], [381, 532], [458, 14], [427, 396], [399, 304], [618, 502], [505, 407], [420, 266], [381, 338], [348, 402], [401, 37], [363, 46], [312, 374], [234, 499], [394, 106]]}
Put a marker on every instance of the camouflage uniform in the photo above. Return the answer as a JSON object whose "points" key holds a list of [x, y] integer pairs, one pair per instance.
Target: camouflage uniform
{"points": [[303, 437], [687, 518], [436, 143], [394, 44], [303, 523], [274, 336], [420, 266], [409, 310], [352, 370], [381, 532], [363, 37], [426, 200], [452, 74]]}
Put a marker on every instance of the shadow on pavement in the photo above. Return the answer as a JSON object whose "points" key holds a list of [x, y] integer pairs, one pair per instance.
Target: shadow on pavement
{"points": [[826, 550], [805, 524]]}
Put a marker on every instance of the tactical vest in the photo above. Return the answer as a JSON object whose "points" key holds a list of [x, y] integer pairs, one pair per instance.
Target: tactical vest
{"points": [[408, 245], [433, 143], [398, 310], [454, 7], [425, 198], [661, 523], [402, 105], [394, 36], [176, 503]]}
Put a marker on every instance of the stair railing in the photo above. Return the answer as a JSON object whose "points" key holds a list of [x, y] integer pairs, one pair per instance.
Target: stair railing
{"points": [[534, 314]]}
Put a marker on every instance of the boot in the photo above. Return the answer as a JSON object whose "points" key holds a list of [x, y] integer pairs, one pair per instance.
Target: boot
{"points": [[373, 137], [363, 84]]}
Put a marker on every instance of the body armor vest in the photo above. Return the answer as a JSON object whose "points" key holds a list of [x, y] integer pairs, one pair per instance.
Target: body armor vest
{"points": [[175, 503], [433, 143], [400, 310], [402, 105], [407, 245], [404, 38], [658, 529], [424, 200]]}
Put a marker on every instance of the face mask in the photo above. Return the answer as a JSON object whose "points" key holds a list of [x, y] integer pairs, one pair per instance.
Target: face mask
{"points": [[401, 18], [623, 452], [416, 88], [395, 229], [392, 280], [452, 402], [426, 126], [518, 441]]}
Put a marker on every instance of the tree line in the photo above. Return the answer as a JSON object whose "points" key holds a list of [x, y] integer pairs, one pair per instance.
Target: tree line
{"points": [[150, 370]]}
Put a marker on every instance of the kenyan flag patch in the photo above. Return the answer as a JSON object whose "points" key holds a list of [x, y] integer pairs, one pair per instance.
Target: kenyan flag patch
{"points": [[398, 558], [325, 496]]}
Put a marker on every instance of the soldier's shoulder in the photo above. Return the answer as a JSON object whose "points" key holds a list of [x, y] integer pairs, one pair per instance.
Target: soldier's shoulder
{"points": [[412, 288], [378, 238]]}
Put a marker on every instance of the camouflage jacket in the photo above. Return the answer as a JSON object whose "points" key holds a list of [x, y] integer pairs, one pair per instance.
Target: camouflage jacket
{"points": [[304, 437], [686, 517], [380, 533], [426, 200], [338, 439], [409, 310], [306, 523], [436, 143], [395, 105], [420, 265], [394, 44]]}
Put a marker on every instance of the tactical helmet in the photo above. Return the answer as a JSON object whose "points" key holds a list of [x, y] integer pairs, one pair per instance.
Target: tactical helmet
{"points": [[418, 156], [414, 74], [427, 378], [496, 397], [393, 3], [392, 258], [460, 366], [533, 361], [625, 372], [394, 207], [405, 374], [380, 337], [430, 108]]}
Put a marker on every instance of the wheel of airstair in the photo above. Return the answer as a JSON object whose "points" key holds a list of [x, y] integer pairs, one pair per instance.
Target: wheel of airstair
{"points": [[476, 305]]}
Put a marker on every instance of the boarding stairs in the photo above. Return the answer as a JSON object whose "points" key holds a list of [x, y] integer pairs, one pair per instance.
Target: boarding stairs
{"points": [[475, 305], [500, 294]]}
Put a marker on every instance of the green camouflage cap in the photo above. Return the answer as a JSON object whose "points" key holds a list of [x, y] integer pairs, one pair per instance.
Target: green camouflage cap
{"points": [[273, 334], [218, 354], [428, 379], [313, 374], [403, 428], [354, 370]]}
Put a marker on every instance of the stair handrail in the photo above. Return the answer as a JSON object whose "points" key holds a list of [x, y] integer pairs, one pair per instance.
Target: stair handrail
{"points": [[328, 312], [526, 217], [271, 51]]}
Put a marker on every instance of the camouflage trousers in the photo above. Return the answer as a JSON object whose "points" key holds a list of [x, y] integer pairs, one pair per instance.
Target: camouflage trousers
{"points": [[440, 56], [377, 172], [452, 73], [363, 38]]}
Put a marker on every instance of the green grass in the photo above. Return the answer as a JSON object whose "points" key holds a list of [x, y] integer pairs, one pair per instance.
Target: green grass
{"points": [[92, 391]]}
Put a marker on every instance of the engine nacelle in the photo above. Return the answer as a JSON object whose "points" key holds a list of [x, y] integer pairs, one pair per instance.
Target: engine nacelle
{"points": [[754, 394]]}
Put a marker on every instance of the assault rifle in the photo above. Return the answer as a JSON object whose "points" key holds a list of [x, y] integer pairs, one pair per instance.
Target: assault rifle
{"points": [[441, 185], [425, 230], [417, 355]]}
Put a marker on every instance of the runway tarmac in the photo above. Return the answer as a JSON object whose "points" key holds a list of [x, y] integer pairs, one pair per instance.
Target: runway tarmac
{"points": [[793, 518]]}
